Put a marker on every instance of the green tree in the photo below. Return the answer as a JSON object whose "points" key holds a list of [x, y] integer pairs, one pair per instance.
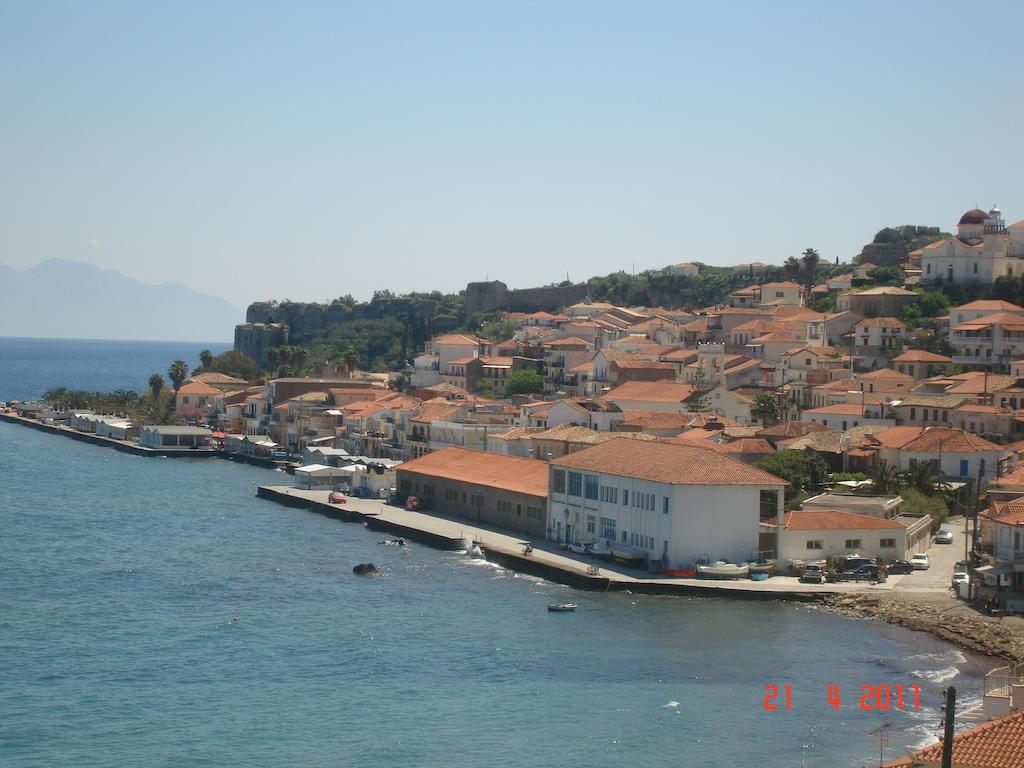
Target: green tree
{"points": [[810, 259], [351, 359], [765, 408], [917, 504], [525, 382], [177, 373], [699, 402], [156, 385], [887, 275], [273, 359], [885, 479], [791, 267], [234, 363], [803, 470], [205, 359]]}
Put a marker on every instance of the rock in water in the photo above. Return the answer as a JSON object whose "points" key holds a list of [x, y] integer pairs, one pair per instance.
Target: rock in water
{"points": [[365, 569]]}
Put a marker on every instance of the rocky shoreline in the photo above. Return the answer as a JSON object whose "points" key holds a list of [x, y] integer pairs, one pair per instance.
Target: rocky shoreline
{"points": [[948, 620]]}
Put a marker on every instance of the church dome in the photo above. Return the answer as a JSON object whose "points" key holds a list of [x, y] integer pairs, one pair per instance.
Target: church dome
{"points": [[974, 216]]}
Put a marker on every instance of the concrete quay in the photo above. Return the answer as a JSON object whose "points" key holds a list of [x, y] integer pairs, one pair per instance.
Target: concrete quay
{"points": [[547, 560], [125, 446]]}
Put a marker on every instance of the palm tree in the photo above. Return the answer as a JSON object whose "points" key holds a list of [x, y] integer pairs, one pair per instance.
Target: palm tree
{"points": [[178, 372], [791, 267], [156, 385], [273, 359], [810, 259], [205, 359], [300, 356], [924, 477], [351, 359], [885, 479]]}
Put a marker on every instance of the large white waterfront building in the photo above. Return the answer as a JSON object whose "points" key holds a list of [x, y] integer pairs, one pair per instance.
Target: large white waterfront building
{"points": [[679, 503]]}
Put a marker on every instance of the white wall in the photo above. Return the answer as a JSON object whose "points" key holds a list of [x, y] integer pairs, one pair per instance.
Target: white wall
{"points": [[794, 543]]}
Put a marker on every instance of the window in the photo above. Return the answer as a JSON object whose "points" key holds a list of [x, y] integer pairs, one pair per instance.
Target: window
{"points": [[623, 537], [945, 415], [607, 528], [913, 413], [975, 267], [575, 484], [625, 497], [590, 490], [559, 481], [814, 544], [591, 524], [924, 414], [664, 505], [609, 494], [964, 467], [887, 544], [853, 543]]}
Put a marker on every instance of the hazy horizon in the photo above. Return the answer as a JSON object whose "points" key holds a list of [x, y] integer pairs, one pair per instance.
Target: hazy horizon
{"points": [[306, 151]]}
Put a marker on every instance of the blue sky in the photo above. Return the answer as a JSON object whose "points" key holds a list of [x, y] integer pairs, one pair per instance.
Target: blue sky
{"points": [[307, 150]]}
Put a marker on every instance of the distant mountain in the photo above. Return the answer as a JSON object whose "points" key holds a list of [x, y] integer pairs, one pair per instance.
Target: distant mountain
{"points": [[70, 299]]}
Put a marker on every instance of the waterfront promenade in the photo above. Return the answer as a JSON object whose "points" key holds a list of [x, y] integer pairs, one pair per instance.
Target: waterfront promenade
{"points": [[547, 560]]}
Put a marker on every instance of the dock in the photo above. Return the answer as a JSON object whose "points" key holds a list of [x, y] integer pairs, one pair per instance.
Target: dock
{"points": [[125, 446], [547, 560]]}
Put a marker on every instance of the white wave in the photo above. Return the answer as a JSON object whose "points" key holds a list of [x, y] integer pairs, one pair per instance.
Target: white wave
{"points": [[936, 675], [670, 705], [951, 656]]}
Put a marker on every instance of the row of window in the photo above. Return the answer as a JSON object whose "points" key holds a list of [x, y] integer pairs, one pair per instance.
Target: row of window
{"points": [[588, 487], [852, 544]]}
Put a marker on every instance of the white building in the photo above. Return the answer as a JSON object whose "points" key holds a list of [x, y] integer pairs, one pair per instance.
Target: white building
{"points": [[817, 534], [679, 503], [1003, 533], [984, 249], [993, 341], [684, 269]]}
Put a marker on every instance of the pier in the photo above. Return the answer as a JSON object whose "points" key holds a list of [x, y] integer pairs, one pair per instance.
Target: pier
{"points": [[547, 560], [125, 446]]}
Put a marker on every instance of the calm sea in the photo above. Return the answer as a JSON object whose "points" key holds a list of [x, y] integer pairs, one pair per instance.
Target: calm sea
{"points": [[153, 612], [29, 367]]}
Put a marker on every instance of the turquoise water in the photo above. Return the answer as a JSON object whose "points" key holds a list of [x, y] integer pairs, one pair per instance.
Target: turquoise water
{"points": [[29, 367], [122, 578]]}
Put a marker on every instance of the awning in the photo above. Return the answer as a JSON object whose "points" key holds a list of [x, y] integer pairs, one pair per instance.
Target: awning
{"points": [[997, 569]]}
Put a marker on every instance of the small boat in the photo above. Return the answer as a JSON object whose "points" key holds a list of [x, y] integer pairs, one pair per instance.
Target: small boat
{"points": [[579, 549], [561, 607], [761, 566], [759, 576], [475, 551], [679, 573], [600, 549], [627, 554], [723, 570]]}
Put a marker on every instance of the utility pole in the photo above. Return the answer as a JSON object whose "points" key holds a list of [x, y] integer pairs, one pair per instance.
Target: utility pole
{"points": [[883, 739], [947, 733]]}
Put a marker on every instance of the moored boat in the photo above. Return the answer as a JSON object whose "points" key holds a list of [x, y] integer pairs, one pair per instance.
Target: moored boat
{"points": [[761, 566], [561, 607], [723, 570], [627, 554], [759, 576]]}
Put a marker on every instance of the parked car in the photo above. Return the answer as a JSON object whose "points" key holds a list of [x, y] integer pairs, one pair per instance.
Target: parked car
{"points": [[279, 456], [899, 566], [852, 562], [337, 497], [812, 574], [960, 578], [944, 536], [868, 572], [920, 561]]}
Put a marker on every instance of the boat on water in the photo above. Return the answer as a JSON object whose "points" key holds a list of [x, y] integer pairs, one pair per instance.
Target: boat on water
{"points": [[723, 570], [762, 565], [561, 607], [624, 553], [579, 549]]}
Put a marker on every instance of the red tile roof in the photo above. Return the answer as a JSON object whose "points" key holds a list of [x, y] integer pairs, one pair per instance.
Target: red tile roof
{"points": [[652, 391], [998, 743], [459, 338], [833, 520], [880, 322], [933, 440], [988, 305], [666, 463], [508, 473], [921, 356], [198, 388], [1004, 320]]}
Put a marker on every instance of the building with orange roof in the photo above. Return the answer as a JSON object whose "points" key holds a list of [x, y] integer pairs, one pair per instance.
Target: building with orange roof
{"points": [[818, 534], [977, 309], [990, 342], [663, 395], [884, 301], [677, 504], [920, 364], [1002, 534], [508, 492], [958, 454], [998, 743], [196, 400], [845, 416]]}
